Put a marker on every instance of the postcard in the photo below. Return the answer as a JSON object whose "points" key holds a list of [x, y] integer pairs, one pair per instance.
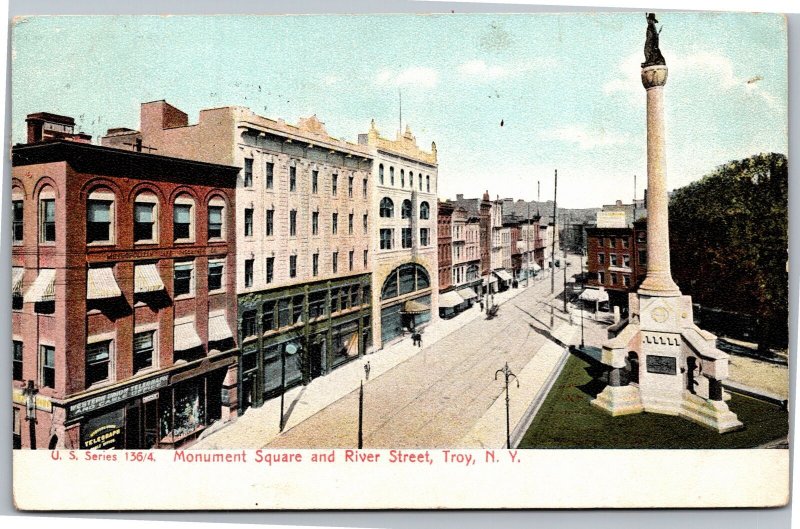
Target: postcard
{"points": [[400, 261]]}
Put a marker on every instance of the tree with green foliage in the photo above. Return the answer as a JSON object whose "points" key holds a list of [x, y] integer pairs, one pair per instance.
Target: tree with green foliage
{"points": [[729, 242]]}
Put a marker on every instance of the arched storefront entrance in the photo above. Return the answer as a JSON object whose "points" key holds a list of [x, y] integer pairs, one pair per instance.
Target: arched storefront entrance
{"points": [[405, 300]]}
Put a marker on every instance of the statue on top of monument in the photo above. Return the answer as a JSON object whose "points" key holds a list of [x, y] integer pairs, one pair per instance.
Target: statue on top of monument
{"points": [[652, 55]]}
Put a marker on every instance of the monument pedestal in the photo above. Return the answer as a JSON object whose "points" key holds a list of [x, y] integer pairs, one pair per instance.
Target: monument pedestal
{"points": [[619, 400]]}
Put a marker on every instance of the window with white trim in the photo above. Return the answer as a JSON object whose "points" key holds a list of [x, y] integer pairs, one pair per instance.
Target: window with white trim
{"points": [[183, 219], [145, 218]]}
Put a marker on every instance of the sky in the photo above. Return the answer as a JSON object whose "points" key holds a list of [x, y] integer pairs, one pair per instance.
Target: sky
{"points": [[508, 99]]}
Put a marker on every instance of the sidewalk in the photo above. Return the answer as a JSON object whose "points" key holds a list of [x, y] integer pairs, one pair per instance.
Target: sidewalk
{"points": [[258, 426]]}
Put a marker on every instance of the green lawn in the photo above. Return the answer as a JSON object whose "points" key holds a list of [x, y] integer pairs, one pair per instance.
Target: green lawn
{"points": [[567, 420]]}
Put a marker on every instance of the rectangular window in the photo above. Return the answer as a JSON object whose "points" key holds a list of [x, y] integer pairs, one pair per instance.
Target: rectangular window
{"points": [[625, 242], [424, 239], [214, 222], [613, 279], [292, 178], [17, 369], [182, 280], [292, 266], [315, 223], [143, 349], [270, 175], [248, 273], [248, 222], [601, 278], [314, 182], [215, 276], [18, 222], [386, 239], [182, 221], [613, 258], [350, 259], [270, 222], [98, 221], [642, 257], [48, 361], [364, 187], [297, 309], [365, 222], [316, 304], [626, 261], [248, 172], [315, 264], [249, 324], [283, 312], [335, 262], [98, 359], [335, 223], [334, 184], [366, 259], [334, 300], [143, 221], [293, 223], [47, 232], [350, 187], [612, 242], [350, 224], [601, 258], [626, 280], [270, 269], [268, 316], [406, 237]]}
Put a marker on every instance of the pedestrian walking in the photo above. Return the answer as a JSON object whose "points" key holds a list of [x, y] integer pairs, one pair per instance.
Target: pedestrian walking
{"points": [[419, 339], [481, 305], [367, 369]]}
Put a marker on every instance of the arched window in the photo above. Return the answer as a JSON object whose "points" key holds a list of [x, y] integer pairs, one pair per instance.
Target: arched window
{"points": [[100, 217], [183, 219], [387, 207], [424, 211], [405, 210], [420, 182], [380, 173], [391, 175], [428, 183], [216, 219], [405, 279], [145, 218], [402, 177], [411, 180], [472, 272]]}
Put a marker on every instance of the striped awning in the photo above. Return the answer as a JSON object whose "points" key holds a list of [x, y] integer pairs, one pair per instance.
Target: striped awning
{"points": [[17, 273], [100, 284], [147, 279], [502, 274], [43, 288], [185, 336], [218, 328], [593, 294], [451, 299], [467, 294], [415, 307]]}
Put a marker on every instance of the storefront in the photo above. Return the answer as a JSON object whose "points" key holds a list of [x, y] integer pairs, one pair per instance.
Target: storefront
{"points": [[504, 279], [405, 301], [450, 304]]}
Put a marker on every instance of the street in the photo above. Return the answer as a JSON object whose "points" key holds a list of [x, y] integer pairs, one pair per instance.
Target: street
{"points": [[433, 399]]}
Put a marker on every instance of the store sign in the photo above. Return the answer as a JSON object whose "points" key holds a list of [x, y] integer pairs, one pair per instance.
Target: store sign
{"points": [[115, 396], [611, 219], [104, 432], [42, 403]]}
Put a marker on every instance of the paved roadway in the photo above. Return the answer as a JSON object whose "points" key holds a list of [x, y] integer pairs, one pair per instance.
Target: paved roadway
{"points": [[433, 399]]}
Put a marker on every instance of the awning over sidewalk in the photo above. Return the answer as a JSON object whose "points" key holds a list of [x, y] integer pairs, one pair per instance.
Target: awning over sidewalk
{"points": [[451, 299], [185, 336], [502, 274], [100, 284], [17, 273], [218, 328], [593, 294], [147, 279], [43, 288], [415, 307], [535, 266], [467, 294], [491, 280]]}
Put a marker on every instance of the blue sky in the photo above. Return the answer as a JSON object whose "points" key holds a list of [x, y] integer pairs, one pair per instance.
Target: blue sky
{"points": [[565, 86]]}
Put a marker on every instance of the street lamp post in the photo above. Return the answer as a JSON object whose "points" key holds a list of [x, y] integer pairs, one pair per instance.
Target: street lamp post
{"points": [[361, 415], [508, 376], [30, 411]]}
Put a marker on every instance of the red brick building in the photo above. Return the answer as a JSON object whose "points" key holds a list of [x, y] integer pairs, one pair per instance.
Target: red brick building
{"points": [[124, 301], [617, 260], [445, 237]]}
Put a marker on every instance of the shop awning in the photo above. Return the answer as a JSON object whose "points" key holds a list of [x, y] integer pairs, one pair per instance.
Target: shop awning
{"points": [[592, 294], [17, 273], [352, 345], [535, 266], [100, 284], [451, 299], [218, 328], [147, 279], [467, 294], [185, 336], [415, 307], [502, 274], [43, 288]]}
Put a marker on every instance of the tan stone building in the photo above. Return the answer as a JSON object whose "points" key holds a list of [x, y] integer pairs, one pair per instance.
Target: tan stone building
{"points": [[303, 224], [405, 273]]}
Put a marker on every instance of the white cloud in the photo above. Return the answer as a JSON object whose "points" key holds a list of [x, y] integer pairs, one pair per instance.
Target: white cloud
{"points": [[330, 80], [581, 135], [478, 68], [419, 76]]}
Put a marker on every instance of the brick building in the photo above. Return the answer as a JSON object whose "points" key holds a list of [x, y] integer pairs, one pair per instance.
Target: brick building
{"points": [[123, 294], [617, 260]]}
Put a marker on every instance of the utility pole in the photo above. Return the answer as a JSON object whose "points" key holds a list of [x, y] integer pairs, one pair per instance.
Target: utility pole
{"points": [[553, 249], [361, 415], [566, 227], [583, 282], [508, 376], [528, 248], [634, 198]]}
